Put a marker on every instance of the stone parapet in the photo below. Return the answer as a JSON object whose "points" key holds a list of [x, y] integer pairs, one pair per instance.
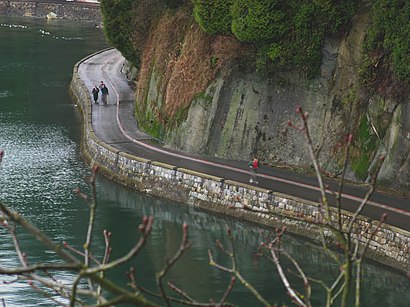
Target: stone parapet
{"points": [[390, 245]]}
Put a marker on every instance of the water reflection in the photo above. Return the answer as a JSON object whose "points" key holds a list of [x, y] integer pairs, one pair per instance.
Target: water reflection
{"points": [[206, 228]]}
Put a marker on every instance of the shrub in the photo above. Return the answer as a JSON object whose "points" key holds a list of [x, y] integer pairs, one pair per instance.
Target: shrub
{"points": [[173, 4], [334, 15], [309, 36], [389, 32], [213, 16], [144, 16], [117, 19], [290, 33], [259, 20], [401, 59], [127, 23]]}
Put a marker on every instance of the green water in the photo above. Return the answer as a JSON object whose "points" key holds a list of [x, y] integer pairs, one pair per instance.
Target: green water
{"points": [[40, 132]]}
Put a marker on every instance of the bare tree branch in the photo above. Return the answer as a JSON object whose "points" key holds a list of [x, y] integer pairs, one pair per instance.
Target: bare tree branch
{"points": [[366, 198], [39, 235], [145, 229], [40, 267], [233, 270], [184, 246]]}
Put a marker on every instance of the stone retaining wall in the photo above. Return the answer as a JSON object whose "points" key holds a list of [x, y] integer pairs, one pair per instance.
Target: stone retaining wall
{"points": [[64, 10], [389, 246]]}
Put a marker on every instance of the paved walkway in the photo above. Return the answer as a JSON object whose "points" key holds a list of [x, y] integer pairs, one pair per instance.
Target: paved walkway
{"points": [[114, 124]]}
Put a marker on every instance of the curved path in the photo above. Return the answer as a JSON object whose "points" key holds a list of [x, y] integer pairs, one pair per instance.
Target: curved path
{"points": [[114, 124]]}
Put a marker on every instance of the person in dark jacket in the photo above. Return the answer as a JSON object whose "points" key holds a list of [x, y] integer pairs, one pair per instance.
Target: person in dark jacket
{"points": [[95, 92], [104, 94]]}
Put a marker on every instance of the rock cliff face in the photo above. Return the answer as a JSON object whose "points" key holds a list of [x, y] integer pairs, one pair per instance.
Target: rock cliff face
{"points": [[242, 113]]}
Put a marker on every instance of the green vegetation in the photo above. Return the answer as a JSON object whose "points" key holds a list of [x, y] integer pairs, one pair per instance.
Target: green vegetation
{"points": [[259, 21], [365, 146], [205, 98], [213, 16], [284, 33], [117, 18], [179, 117], [389, 35], [150, 123], [127, 23]]}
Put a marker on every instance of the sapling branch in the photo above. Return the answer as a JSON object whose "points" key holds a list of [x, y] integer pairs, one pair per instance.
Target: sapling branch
{"points": [[184, 246], [80, 253], [366, 198], [145, 228], [91, 222], [40, 267], [74, 291], [107, 253], [324, 201], [306, 284], [233, 270], [46, 294], [38, 234], [273, 246], [227, 292], [341, 182], [361, 256]]}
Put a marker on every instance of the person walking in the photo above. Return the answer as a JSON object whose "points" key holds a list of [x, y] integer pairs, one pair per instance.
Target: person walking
{"points": [[95, 92], [100, 87], [104, 94], [254, 165]]}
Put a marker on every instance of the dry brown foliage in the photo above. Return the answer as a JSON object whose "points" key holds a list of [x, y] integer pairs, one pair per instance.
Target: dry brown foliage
{"points": [[191, 71], [161, 48], [187, 60], [227, 48]]}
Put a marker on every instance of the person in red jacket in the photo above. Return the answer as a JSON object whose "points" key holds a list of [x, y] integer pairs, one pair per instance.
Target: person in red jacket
{"points": [[254, 165]]}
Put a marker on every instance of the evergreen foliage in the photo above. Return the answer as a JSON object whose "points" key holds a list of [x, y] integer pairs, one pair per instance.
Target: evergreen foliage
{"points": [[117, 19], [173, 4], [284, 32], [334, 15], [307, 42], [259, 21], [390, 32], [213, 16]]}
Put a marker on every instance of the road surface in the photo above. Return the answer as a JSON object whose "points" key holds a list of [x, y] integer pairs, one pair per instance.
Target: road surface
{"points": [[114, 124]]}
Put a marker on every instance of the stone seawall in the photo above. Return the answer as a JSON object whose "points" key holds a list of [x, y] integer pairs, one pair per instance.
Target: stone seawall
{"points": [[390, 245], [63, 10]]}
